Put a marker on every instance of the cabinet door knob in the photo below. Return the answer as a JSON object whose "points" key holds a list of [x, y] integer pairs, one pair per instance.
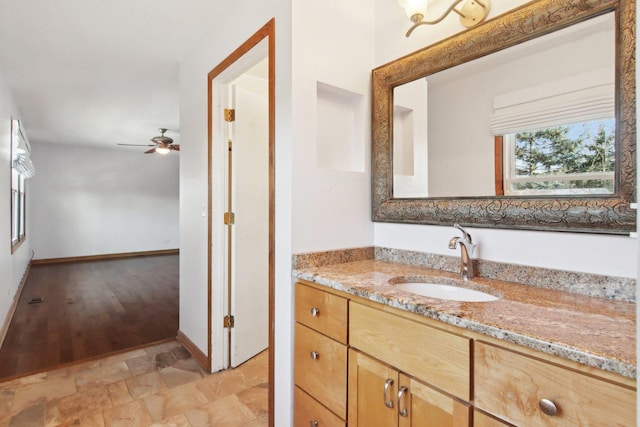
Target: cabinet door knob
{"points": [[315, 355], [548, 407], [387, 385], [402, 411], [315, 312], [313, 423]]}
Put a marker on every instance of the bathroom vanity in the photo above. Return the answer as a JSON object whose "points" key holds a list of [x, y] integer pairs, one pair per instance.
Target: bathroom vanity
{"points": [[370, 350], [370, 354]]}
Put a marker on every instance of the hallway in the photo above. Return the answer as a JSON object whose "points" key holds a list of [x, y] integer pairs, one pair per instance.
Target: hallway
{"points": [[89, 309], [160, 385]]}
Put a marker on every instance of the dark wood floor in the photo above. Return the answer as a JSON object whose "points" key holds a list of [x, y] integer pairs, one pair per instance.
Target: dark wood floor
{"points": [[91, 308]]}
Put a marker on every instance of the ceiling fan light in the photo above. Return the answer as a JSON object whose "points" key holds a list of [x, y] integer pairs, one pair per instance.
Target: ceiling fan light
{"points": [[163, 150]]}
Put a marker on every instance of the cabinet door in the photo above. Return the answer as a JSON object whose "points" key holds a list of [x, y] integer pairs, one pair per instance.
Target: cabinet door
{"points": [[422, 406], [438, 357], [369, 404]]}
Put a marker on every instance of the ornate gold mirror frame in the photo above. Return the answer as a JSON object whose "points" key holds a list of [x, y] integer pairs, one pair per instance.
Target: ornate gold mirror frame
{"points": [[594, 214]]}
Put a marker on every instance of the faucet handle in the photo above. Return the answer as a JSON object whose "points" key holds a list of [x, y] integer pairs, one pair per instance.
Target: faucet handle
{"points": [[465, 234]]}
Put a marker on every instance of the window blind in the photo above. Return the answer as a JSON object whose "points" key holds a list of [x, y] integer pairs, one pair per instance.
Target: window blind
{"points": [[590, 96], [21, 160]]}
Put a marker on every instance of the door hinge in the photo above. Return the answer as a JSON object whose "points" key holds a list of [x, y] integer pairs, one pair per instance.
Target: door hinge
{"points": [[229, 115], [229, 218], [229, 321]]}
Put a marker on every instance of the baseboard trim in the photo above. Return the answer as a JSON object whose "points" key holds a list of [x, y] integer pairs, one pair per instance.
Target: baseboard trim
{"points": [[196, 353], [14, 304], [105, 256]]}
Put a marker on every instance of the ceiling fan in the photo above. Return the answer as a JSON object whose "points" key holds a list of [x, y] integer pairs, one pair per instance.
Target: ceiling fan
{"points": [[161, 144]]}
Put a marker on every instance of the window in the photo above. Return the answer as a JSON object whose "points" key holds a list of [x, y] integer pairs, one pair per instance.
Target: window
{"points": [[21, 169], [569, 159]]}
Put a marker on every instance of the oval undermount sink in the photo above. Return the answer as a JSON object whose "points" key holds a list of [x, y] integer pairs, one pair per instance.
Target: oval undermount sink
{"points": [[443, 288], [452, 293]]}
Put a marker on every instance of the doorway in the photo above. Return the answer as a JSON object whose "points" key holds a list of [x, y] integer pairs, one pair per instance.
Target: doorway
{"points": [[246, 214], [241, 96]]}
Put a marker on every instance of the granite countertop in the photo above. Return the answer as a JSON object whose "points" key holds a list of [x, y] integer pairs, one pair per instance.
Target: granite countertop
{"points": [[594, 331]]}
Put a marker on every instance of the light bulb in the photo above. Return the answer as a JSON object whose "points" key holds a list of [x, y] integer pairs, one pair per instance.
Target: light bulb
{"points": [[414, 7], [163, 150]]}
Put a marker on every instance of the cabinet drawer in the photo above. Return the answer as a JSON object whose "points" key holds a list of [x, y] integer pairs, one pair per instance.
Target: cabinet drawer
{"points": [[483, 420], [307, 410], [320, 368], [434, 356], [510, 386], [322, 311]]}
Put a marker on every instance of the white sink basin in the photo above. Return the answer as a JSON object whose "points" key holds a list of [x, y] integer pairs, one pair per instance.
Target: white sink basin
{"points": [[447, 292]]}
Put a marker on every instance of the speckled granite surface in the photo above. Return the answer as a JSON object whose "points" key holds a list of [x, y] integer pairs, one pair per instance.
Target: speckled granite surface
{"points": [[619, 288], [595, 331], [317, 259]]}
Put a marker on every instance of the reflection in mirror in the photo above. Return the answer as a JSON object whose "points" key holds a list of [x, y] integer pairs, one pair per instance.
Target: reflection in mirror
{"points": [[534, 119], [410, 151], [441, 181], [572, 159]]}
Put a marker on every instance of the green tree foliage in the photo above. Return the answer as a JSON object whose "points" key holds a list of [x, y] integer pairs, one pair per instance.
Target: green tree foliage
{"points": [[563, 150]]}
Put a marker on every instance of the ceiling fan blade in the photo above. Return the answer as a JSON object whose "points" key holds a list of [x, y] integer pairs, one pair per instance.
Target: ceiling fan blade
{"points": [[138, 145], [153, 150], [175, 147]]}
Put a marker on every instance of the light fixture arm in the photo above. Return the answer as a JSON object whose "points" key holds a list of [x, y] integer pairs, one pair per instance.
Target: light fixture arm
{"points": [[473, 12]]}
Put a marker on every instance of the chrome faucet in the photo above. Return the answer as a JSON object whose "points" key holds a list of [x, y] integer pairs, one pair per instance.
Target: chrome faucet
{"points": [[466, 252]]}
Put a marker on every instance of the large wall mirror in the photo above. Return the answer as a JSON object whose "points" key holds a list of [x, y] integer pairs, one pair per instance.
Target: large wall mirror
{"points": [[527, 121]]}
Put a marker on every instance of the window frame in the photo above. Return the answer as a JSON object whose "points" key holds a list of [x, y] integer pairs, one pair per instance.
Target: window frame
{"points": [[506, 169], [17, 194]]}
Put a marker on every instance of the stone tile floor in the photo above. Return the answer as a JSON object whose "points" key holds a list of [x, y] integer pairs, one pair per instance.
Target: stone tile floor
{"points": [[159, 385]]}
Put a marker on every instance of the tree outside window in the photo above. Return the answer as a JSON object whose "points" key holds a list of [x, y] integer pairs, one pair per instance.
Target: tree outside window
{"points": [[569, 159]]}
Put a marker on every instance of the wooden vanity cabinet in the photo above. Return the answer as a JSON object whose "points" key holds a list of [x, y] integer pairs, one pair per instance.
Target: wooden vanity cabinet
{"points": [[311, 413], [481, 419], [526, 391], [382, 396], [432, 355], [404, 373], [427, 371], [320, 358]]}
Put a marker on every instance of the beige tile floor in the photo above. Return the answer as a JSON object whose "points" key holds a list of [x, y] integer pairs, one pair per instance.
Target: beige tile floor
{"points": [[155, 386]]}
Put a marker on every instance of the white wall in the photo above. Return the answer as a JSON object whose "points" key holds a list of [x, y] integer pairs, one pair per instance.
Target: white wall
{"points": [[233, 25], [600, 254], [94, 201], [12, 267], [333, 45], [411, 179]]}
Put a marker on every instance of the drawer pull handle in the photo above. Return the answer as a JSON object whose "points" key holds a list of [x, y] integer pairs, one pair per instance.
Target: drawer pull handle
{"points": [[315, 312], [548, 407], [315, 355], [313, 424], [403, 412], [387, 385]]}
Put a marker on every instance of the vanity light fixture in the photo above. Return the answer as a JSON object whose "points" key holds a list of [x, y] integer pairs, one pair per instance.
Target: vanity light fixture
{"points": [[471, 14]]}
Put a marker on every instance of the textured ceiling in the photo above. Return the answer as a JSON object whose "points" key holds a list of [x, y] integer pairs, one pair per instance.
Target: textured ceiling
{"points": [[96, 72]]}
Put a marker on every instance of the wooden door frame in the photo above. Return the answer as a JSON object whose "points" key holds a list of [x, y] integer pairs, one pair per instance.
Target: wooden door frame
{"points": [[268, 32]]}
